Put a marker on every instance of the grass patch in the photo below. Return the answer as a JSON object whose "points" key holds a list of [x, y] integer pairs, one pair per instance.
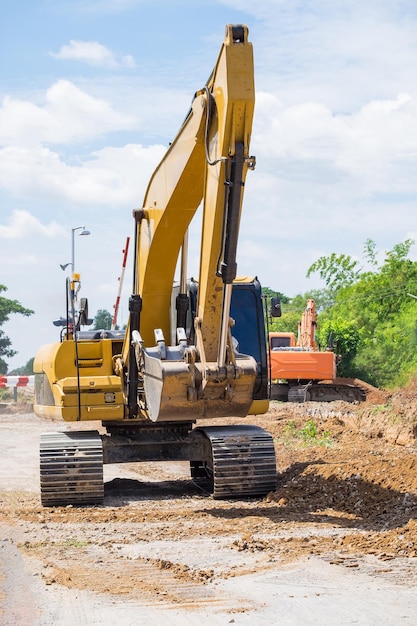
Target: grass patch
{"points": [[307, 435], [6, 394], [381, 408]]}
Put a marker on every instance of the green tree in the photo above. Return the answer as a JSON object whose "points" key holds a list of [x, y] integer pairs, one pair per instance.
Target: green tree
{"points": [[26, 370], [292, 309], [7, 308], [373, 320], [341, 337], [288, 322], [337, 271], [268, 293], [369, 252], [102, 320]]}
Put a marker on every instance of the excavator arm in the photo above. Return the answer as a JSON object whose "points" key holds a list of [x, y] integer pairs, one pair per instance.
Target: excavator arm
{"points": [[207, 162], [307, 327]]}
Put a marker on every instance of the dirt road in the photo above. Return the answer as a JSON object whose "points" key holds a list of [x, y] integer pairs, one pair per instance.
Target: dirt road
{"points": [[336, 543]]}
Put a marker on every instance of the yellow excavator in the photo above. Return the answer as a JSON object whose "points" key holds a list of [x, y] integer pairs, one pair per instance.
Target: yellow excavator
{"points": [[190, 354]]}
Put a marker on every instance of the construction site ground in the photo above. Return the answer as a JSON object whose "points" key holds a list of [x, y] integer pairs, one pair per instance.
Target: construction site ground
{"points": [[335, 543]]}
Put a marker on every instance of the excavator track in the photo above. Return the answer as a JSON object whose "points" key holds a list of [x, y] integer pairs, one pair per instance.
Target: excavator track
{"points": [[326, 392], [71, 468], [242, 462]]}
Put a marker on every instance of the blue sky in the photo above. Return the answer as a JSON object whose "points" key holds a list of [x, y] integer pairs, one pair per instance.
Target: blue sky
{"points": [[91, 94]]}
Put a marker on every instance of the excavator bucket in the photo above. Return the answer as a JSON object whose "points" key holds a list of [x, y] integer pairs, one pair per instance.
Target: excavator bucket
{"points": [[177, 390]]}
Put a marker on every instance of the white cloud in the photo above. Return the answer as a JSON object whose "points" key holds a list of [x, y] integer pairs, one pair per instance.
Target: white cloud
{"points": [[342, 54], [92, 53], [128, 60], [22, 225], [109, 177], [67, 116], [371, 146]]}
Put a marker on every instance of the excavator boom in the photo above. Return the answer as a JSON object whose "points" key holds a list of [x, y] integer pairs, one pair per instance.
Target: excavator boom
{"points": [[207, 161]]}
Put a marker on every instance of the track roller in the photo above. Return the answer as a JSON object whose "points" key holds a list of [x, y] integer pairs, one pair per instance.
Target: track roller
{"points": [[242, 462], [71, 468]]}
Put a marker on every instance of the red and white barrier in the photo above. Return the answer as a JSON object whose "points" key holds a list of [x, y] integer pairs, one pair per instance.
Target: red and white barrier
{"points": [[17, 381]]}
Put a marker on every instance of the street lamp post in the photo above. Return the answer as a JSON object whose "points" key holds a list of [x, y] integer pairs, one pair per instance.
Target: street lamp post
{"points": [[64, 266], [83, 232], [73, 284]]}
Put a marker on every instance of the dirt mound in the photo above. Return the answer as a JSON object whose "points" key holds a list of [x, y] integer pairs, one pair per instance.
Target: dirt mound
{"points": [[373, 394], [391, 415]]}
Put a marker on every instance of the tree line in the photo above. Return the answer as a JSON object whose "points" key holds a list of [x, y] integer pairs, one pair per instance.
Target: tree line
{"points": [[367, 313]]}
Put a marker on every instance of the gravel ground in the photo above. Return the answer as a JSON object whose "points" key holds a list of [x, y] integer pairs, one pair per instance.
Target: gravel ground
{"points": [[336, 543]]}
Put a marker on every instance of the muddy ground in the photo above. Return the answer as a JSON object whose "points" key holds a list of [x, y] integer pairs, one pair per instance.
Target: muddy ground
{"points": [[335, 543]]}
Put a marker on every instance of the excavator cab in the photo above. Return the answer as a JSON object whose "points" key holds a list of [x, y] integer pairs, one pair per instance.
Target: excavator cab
{"points": [[248, 331]]}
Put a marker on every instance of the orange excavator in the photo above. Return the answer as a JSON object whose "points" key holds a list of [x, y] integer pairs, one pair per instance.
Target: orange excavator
{"points": [[299, 372]]}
